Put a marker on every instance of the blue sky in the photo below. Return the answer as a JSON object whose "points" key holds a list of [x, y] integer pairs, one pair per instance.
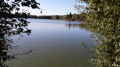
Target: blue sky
{"points": [[55, 7]]}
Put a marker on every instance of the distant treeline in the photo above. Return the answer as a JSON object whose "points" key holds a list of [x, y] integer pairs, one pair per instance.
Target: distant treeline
{"points": [[70, 17]]}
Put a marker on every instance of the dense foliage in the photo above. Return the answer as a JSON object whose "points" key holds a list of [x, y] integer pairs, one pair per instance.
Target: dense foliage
{"points": [[105, 18], [10, 26]]}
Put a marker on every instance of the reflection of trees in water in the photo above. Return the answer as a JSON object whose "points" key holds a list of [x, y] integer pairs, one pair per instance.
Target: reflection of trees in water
{"points": [[81, 26]]}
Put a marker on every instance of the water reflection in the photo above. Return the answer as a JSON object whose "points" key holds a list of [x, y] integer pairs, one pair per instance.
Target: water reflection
{"points": [[81, 26], [8, 28], [54, 45], [61, 47]]}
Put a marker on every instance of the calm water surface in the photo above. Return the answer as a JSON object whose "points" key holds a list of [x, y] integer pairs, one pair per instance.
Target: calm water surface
{"points": [[54, 43]]}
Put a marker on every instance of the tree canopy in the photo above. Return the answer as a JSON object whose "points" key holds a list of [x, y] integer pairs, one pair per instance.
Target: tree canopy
{"points": [[105, 18], [10, 26]]}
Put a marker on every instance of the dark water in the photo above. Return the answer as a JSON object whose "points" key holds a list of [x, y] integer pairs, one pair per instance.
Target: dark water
{"points": [[54, 43]]}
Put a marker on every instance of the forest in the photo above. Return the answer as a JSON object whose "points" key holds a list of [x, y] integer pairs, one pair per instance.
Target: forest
{"points": [[69, 17]]}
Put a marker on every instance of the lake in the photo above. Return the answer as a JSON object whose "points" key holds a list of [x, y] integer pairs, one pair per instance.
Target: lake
{"points": [[53, 43]]}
